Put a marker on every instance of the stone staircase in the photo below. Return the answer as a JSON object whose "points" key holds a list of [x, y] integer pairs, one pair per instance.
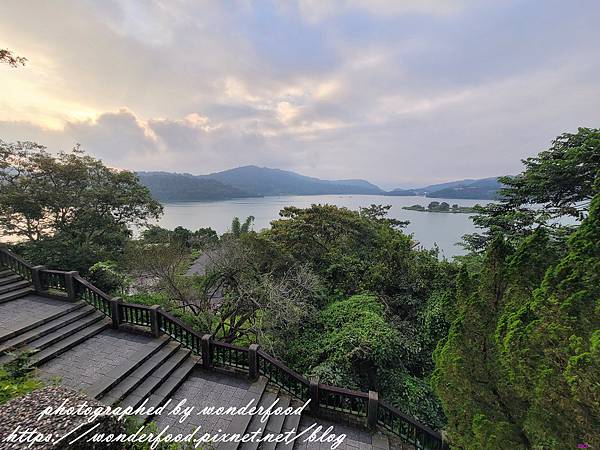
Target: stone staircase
{"points": [[12, 285], [156, 371], [154, 374], [275, 424], [48, 337], [51, 338]]}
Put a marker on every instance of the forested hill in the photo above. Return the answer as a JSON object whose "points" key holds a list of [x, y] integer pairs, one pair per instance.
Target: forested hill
{"points": [[265, 181], [247, 181], [485, 188], [177, 187], [253, 181]]}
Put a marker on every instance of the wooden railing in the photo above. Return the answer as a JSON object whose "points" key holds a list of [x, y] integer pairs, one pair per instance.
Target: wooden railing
{"points": [[322, 397], [408, 429], [15, 263], [179, 331], [284, 377], [135, 314], [355, 403], [86, 291], [229, 355]]}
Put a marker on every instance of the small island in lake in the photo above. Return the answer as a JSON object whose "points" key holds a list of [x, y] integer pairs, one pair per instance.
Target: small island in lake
{"points": [[442, 207]]}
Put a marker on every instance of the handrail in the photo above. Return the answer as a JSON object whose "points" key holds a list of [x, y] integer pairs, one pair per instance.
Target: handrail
{"points": [[409, 430], [357, 403], [15, 262], [14, 256]]}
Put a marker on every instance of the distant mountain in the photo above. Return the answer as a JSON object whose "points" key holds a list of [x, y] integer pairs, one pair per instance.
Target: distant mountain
{"points": [[263, 181], [247, 181], [485, 188], [253, 181], [177, 187]]}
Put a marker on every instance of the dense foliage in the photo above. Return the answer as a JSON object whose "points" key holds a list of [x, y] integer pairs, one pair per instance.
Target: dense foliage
{"points": [[16, 379], [557, 183], [69, 209], [501, 348], [520, 368]]}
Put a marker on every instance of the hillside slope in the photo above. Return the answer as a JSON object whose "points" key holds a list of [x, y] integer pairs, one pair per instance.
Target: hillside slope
{"points": [[266, 181], [176, 187]]}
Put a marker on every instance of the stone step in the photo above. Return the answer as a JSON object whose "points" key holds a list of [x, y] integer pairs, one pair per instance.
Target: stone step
{"points": [[155, 380], [6, 272], [15, 286], [239, 424], [129, 384], [47, 327], [65, 331], [7, 297], [275, 423], [171, 384], [290, 423], [142, 363], [10, 279], [265, 401], [380, 441], [69, 342], [13, 333]]}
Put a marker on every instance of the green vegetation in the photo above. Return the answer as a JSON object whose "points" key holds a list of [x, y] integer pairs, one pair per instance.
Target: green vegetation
{"points": [[501, 348], [485, 188], [16, 379], [442, 207], [557, 183], [70, 210], [520, 366]]}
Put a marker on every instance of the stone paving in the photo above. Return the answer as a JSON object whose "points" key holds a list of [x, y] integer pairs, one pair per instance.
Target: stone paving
{"points": [[82, 365], [28, 310], [206, 388], [356, 439]]}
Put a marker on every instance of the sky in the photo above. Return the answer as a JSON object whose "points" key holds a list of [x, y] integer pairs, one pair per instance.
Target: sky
{"points": [[399, 92]]}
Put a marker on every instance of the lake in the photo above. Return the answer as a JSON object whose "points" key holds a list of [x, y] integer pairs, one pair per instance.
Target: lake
{"points": [[445, 230]]}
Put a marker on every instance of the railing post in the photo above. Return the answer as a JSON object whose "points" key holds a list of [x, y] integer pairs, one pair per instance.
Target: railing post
{"points": [[70, 285], [253, 362], [206, 360], [372, 407], [314, 394], [36, 280], [115, 311], [154, 324]]}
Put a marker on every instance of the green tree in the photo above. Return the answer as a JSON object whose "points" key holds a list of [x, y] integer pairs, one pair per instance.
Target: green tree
{"points": [[203, 238], [261, 300], [238, 228], [520, 367], [556, 183], [70, 209]]}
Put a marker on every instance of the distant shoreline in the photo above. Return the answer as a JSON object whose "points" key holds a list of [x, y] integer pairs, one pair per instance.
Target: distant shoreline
{"points": [[317, 195]]}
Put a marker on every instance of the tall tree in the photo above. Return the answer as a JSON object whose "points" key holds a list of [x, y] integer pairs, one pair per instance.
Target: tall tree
{"points": [[520, 367], [556, 183], [70, 200]]}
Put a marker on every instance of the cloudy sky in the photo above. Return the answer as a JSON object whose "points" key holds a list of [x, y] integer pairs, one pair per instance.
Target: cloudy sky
{"points": [[400, 92]]}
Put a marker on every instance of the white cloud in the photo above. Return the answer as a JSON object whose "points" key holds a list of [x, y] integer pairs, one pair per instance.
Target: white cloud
{"points": [[400, 91], [317, 10]]}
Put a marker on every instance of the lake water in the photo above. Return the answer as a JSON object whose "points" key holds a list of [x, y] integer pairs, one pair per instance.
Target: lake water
{"points": [[445, 230]]}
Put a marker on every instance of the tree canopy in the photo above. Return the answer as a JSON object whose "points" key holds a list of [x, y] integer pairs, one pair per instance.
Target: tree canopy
{"points": [[519, 368], [69, 202], [554, 184]]}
